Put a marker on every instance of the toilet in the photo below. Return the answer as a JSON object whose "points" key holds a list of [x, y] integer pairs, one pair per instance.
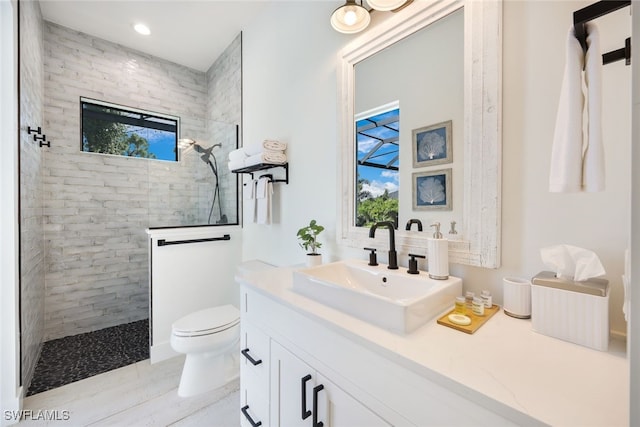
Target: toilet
{"points": [[210, 339]]}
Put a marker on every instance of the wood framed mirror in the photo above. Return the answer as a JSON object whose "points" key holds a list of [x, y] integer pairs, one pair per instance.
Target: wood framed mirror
{"points": [[481, 165]]}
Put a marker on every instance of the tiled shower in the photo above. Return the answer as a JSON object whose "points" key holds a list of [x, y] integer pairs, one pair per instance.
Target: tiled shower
{"points": [[84, 250]]}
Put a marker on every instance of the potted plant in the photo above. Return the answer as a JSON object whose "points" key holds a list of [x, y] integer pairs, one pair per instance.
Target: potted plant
{"points": [[309, 237]]}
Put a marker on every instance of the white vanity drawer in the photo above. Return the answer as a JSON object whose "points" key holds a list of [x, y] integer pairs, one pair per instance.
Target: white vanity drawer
{"points": [[254, 356], [254, 401]]}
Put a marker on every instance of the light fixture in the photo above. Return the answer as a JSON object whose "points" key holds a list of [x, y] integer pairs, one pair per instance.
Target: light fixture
{"points": [[350, 18], [385, 5], [142, 29]]}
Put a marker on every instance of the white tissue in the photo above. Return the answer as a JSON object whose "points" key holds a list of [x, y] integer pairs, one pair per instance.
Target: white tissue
{"points": [[572, 262]]}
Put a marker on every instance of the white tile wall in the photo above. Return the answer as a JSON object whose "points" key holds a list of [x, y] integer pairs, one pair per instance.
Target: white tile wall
{"points": [[224, 97], [31, 195], [97, 207]]}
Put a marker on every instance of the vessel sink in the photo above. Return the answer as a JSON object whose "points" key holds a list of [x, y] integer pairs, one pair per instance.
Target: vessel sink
{"points": [[391, 299]]}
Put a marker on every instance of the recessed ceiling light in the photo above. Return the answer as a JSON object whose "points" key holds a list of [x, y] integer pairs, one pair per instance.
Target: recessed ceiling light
{"points": [[142, 29]]}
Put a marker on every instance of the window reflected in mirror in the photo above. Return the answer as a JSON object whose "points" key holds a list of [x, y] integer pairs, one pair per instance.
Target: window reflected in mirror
{"points": [[378, 162]]}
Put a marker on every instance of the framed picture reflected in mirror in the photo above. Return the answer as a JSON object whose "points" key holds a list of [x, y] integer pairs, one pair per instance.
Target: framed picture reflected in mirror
{"points": [[432, 145]]}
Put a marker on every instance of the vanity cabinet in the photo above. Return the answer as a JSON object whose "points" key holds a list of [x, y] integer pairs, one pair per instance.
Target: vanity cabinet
{"points": [[351, 384], [278, 388], [303, 397]]}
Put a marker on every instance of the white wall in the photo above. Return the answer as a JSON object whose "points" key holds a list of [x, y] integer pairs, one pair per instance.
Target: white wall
{"points": [[533, 217], [290, 93], [9, 346], [633, 344]]}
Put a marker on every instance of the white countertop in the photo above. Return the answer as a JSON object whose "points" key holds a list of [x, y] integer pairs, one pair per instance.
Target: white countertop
{"points": [[553, 381]]}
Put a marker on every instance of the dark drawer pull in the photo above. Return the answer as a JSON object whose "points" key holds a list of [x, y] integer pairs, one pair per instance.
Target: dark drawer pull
{"points": [[253, 361], [248, 417], [315, 422], [303, 384]]}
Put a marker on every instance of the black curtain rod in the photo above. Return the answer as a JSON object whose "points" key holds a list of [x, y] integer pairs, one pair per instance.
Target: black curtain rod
{"points": [[596, 10]]}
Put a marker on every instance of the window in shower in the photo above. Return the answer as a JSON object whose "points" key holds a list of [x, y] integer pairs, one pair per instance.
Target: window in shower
{"points": [[123, 131]]}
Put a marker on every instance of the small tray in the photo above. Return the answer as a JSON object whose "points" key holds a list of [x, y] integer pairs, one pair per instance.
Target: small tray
{"points": [[476, 321]]}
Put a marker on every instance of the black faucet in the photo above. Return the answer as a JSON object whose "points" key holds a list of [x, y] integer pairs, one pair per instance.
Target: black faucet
{"points": [[393, 255], [414, 221]]}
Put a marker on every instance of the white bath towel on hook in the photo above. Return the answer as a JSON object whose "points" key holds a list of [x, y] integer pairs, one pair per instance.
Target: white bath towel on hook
{"points": [[577, 155], [264, 192], [249, 192], [593, 161]]}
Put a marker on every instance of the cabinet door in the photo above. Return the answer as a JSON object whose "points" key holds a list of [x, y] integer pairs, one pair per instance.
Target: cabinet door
{"points": [[301, 397], [336, 408], [291, 389]]}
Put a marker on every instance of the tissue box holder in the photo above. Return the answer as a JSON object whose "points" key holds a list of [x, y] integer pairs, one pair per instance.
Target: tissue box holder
{"points": [[577, 312]]}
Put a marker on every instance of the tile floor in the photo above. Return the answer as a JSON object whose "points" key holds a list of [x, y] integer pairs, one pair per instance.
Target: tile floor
{"points": [[140, 394]]}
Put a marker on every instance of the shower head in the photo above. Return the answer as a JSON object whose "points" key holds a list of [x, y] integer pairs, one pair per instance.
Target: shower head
{"points": [[186, 144]]}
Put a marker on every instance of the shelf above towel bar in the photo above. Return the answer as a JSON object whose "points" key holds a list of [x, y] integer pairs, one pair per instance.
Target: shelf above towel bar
{"points": [[264, 166]]}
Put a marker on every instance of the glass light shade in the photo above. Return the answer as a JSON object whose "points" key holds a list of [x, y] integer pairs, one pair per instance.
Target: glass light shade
{"points": [[142, 29], [385, 5], [350, 18]]}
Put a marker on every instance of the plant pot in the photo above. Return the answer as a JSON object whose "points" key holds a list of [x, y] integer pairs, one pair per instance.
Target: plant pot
{"points": [[314, 260]]}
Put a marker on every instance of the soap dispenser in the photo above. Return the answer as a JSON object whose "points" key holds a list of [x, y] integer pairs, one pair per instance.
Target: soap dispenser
{"points": [[438, 253]]}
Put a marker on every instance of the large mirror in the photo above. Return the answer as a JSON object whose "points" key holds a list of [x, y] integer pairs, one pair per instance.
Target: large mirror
{"points": [[464, 112]]}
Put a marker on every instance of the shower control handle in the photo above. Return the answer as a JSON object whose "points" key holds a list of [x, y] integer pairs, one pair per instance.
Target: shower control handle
{"points": [[253, 361]]}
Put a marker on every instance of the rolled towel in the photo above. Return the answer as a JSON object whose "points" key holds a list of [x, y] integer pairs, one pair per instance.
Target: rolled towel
{"points": [[267, 144], [272, 157], [236, 165], [237, 155], [251, 149], [270, 144]]}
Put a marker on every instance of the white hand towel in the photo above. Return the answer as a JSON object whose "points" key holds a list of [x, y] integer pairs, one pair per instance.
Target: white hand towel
{"points": [[249, 194], [272, 157], [566, 152], [264, 190], [577, 155], [593, 166], [626, 281]]}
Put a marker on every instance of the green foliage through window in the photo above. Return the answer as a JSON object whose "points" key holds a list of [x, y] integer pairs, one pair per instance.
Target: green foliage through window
{"points": [[370, 210], [113, 129]]}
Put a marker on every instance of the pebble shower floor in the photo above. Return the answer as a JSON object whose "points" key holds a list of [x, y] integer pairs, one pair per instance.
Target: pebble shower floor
{"points": [[69, 359]]}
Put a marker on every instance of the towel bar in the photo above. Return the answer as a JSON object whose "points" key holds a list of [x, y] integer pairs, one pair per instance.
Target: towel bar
{"points": [[263, 166], [596, 10]]}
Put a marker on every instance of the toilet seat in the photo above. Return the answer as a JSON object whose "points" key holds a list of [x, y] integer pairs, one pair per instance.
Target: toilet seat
{"points": [[207, 322]]}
